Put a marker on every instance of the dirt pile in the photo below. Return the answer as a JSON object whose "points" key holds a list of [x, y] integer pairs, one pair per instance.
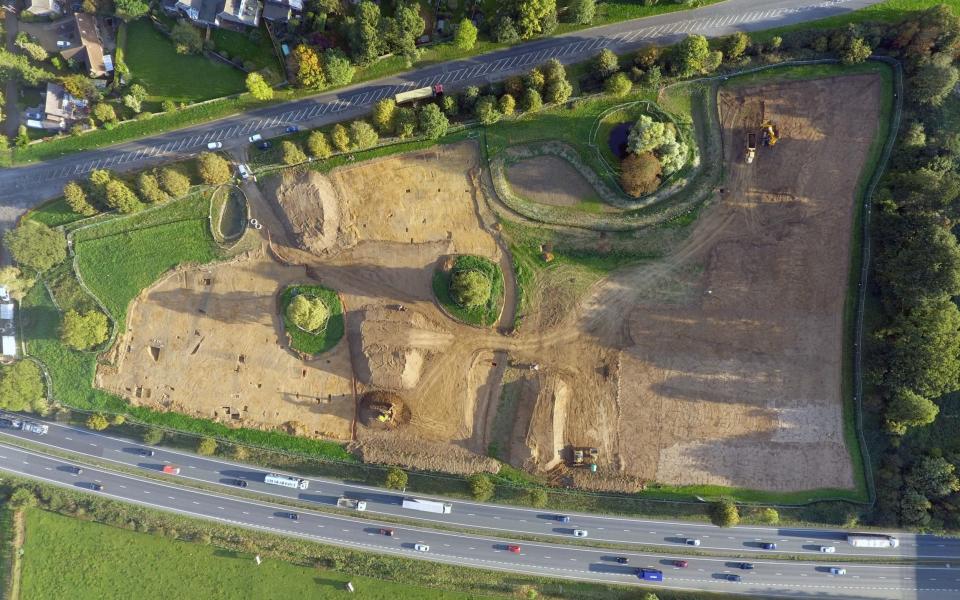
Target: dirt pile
{"points": [[310, 209], [383, 410], [411, 451], [393, 346], [544, 439]]}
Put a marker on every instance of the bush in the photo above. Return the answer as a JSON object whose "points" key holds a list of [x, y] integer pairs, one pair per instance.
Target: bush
{"points": [[363, 135], [735, 45], [466, 35], [724, 513], [604, 64], [206, 446], [291, 154], [486, 110], [337, 68], [309, 314], [482, 487], [174, 182], [35, 245], [396, 479], [470, 288], [618, 85], [97, 422], [433, 123], [153, 436], [82, 331], [537, 497], [581, 12], [340, 137], [21, 387], [258, 87], [640, 174], [76, 199], [319, 145], [532, 100], [857, 52], [383, 113], [186, 38], [213, 168], [558, 91], [22, 498], [506, 105], [770, 516]]}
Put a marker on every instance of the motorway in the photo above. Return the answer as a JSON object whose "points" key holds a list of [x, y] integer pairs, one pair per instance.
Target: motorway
{"points": [[502, 519], [27, 186], [782, 578]]}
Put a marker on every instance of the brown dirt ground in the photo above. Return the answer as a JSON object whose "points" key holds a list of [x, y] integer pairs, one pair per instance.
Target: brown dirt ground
{"points": [[549, 180]]}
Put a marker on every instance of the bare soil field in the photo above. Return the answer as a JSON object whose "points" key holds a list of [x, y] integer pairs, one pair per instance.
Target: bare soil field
{"points": [[549, 180]]}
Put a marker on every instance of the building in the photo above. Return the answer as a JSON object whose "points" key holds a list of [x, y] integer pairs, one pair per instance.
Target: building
{"points": [[90, 49], [60, 109], [281, 10], [43, 8], [218, 13]]}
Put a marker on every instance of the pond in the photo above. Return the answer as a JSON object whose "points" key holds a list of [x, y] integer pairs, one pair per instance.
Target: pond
{"points": [[617, 142], [233, 218]]}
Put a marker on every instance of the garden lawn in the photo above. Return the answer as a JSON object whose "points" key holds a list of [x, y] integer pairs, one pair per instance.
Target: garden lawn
{"points": [[122, 564], [167, 75], [314, 343], [254, 47]]}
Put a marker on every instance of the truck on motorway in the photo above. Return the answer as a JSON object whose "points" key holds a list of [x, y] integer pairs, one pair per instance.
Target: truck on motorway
{"points": [[872, 540], [37, 428], [10, 423], [434, 91], [441, 508], [351, 503], [286, 481], [650, 574]]}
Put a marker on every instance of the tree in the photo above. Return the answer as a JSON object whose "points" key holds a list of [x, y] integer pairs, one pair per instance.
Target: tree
{"points": [[35, 245], [558, 91], [337, 68], [640, 174], [449, 106], [735, 45], [138, 91], [82, 331], [363, 33], [149, 187], [363, 135], [857, 52], [21, 387], [213, 168], [486, 110], [917, 257], [76, 199], [121, 198], [396, 479], [724, 513], [97, 422], [308, 68], [79, 86], [535, 80], [207, 446], [481, 486], [672, 155], [186, 38], [309, 314], [907, 409], [258, 87], [340, 137], [470, 288], [32, 49], [932, 82], [319, 145], [433, 123], [104, 113], [399, 34], [604, 64], [404, 122], [648, 134], [174, 182], [153, 436], [531, 100], [691, 55], [923, 349], [506, 105], [291, 154], [914, 508], [22, 498], [16, 283], [537, 497], [581, 12], [133, 103], [531, 14], [17, 66], [383, 112], [713, 61], [23, 138], [618, 85], [128, 10], [933, 476], [466, 35], [768, 515], [469, 97], [505, 32]]}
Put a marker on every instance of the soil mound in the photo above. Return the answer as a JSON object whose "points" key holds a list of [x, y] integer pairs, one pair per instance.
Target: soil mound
{"points": [[380, 409], [547, 394], [393, 346], [309, 209], [414, 452]]}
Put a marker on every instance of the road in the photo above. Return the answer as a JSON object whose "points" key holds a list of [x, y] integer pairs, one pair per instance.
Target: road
{"points": [[27, 186], [783, 578], [742, 541]]}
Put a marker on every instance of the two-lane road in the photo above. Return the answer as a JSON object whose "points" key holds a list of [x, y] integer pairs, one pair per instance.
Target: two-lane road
{"points": [[27, 186], [781, 578], [481, 516]]}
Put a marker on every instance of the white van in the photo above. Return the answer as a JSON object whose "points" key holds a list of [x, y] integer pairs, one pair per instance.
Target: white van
{"points": [[244, 171], [255, 138]]}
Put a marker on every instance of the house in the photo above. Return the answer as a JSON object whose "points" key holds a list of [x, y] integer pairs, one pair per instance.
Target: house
{"points": [[217, 13], [43, 8], [90, 49], [60, 109], [281, 10]]}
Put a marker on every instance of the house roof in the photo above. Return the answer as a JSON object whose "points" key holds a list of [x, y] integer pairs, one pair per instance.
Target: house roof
{"points": [[245, 12], [275, 11], [42, 7], [90, 50]]}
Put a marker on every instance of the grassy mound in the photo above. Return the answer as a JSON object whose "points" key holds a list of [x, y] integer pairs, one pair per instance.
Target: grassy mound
{"points": [[482, 315], [323, 338]]}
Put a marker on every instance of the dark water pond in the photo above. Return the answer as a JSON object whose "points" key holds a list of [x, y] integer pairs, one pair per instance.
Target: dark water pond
{"points": [[234, 217], [617, 141]]}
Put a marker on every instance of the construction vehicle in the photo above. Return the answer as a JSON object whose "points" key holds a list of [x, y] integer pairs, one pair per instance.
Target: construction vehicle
{"points": [[384, 411], [434, 91], [585, 457], [751, 147], [770, 133]]}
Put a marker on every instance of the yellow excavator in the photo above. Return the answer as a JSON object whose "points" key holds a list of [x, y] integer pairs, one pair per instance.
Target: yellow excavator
{"points": [[770, 133]]}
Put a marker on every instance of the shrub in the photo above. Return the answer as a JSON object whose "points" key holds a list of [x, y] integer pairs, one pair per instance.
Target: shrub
{"points": [[82, 331], [506, 105], [309, 314], [618, 85], [466, 35], [582, 12], [213, 168], [291, 154], [482, 487], [207, 446], [604, 64], [174, 182], [396, 479], [340, 137], [97, 422], [486, 110], [470, 288], [35, 245], [537, 497], [363, 135], [640, 174], [150, 189], [433, 123], [724, 513], [76, 199], [383, 112], [319, 145]]}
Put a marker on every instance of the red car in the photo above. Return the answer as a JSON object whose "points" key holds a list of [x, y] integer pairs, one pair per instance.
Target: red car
{"points": [[680, 563], [170, 469], [386, 532], [514, 548]]}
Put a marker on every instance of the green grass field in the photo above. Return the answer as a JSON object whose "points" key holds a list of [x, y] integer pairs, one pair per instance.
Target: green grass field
{"points": [[481, 316], [69, 558], [245, 48], [314, 343], [167, 75]]}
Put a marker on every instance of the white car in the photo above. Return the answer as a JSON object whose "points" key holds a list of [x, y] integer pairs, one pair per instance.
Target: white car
{"points": [[693, 542], [255, 138], [421, 547], [838, 571], [244, 171], [580, 533], [828, 549], [63, 44], [214, 145]]}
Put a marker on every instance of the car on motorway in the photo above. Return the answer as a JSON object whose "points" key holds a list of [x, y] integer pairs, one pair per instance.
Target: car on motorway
{"points": [[387, 532], [734, 577], [692, 542], [420, 547], [828, 549], [97, 487], [681, 564], [255, 138], [514, 548], [239, 483], [171, 469], [214, 145], [838, 571], [622, 560], [265, 145], [769, 546], [562, 518], [580, 533], [746, 566], [77, 470], [292, 129], [145, 452], [293, 516]]}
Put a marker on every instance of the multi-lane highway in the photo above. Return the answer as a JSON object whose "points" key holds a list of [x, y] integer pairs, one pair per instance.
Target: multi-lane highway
{"points": [[26, 186], [502, 519], [787, 578]]}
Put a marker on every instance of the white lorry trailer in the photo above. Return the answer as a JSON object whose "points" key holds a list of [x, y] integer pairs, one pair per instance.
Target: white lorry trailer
{"points": [[441, 508], [360, 505], [286, 481], [37, 428], [434, 91], [872, 540]]}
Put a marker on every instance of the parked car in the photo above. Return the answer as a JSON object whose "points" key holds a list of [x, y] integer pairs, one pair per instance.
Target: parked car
{"points": [[265, 145], [387, 531], [734, 577], [828, 549], [214, 145], [838, 571], [145, 452], [580, 533], [514, 548], [623, 560], [63, 44], [292, 129], [255, 138], [692, 542], [769, 546], [240, 483], [421, 547], [746, 566], [682, 564], [244, 171]]}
